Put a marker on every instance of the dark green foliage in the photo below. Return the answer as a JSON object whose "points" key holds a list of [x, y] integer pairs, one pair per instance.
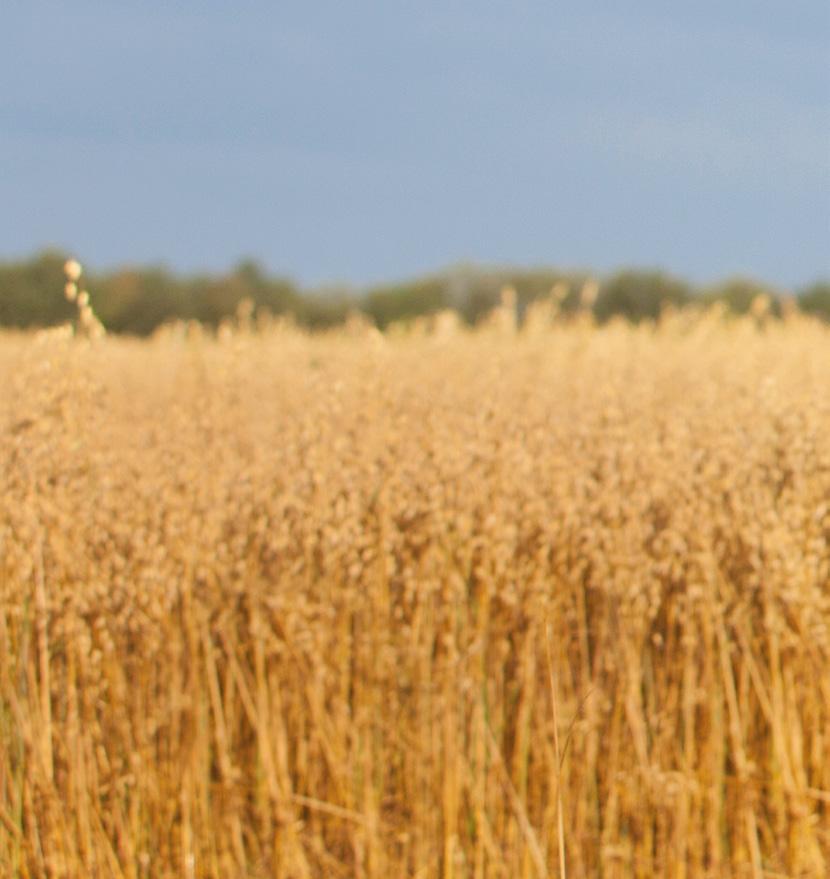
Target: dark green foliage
{"points": [[322, 312], [139, 299], [31, 292], [815, 299], [639, 295], [403, 301], [738, 294]]}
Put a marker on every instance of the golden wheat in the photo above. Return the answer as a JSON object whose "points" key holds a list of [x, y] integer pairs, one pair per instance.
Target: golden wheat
{"points": [[310, 607]]}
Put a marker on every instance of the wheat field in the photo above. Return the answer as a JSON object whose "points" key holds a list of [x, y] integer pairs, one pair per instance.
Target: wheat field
{"points": [[455, 605]]}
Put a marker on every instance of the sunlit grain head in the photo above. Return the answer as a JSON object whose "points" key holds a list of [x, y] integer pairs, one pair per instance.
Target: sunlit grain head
{"points": [[72, 269]]}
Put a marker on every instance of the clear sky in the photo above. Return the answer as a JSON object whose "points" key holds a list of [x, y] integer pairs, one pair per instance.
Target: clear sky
{"points": [[357, 141]]}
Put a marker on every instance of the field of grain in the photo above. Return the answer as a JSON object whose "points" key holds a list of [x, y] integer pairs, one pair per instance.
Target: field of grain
{"points": [[353, 606]]}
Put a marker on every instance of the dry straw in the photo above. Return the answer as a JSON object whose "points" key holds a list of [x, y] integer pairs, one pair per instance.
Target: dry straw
{"points": [[518, 605]]}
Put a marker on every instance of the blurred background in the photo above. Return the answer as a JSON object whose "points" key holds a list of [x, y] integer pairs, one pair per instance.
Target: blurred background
{"points": [[405, 157]]}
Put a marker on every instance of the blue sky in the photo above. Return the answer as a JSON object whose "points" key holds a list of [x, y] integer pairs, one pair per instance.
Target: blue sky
{"points": [[366, 140]]}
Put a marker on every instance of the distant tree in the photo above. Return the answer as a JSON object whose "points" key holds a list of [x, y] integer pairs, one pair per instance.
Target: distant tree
{"points": [[638, 295], [478, 301], [815, 299], [476, 292], [251, 273], [322, 312], [136, 301], [400, 302], [738, 294], [31, 292]]}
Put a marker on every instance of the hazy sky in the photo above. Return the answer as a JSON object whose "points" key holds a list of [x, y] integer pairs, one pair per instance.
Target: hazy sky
{"points": [[365, 140]]}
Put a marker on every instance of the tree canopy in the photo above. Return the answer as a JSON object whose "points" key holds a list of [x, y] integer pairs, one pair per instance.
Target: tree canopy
{"points": [[138, 299]]}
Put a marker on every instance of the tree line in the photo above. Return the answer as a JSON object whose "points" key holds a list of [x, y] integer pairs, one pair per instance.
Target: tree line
{"points": [[137, 300]]}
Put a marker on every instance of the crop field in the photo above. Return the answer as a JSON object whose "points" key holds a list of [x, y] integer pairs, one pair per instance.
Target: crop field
{"points": [[455, 604]]}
